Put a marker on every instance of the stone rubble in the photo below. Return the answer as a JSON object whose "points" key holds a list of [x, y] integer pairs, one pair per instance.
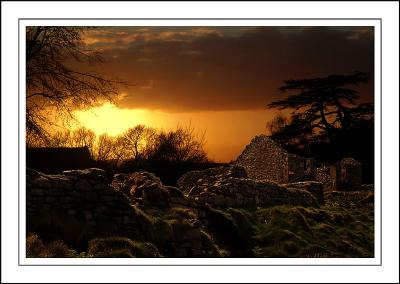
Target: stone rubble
{"points": [[226, 187], [80, 205]]}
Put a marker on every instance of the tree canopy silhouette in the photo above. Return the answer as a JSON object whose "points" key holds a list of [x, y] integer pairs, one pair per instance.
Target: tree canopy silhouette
{"points": [[52, 83], [325, 121], [321, 106]]}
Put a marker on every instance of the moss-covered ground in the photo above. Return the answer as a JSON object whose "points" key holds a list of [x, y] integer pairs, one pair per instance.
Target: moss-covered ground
{"points": [[343, 227]]}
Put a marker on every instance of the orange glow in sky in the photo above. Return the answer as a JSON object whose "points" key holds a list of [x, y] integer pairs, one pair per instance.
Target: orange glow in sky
{"points": [[226, 132], [218, 80], [110, 119]]}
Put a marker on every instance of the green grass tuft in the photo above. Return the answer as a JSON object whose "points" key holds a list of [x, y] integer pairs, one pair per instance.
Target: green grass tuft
{"points": [[121, 247]]}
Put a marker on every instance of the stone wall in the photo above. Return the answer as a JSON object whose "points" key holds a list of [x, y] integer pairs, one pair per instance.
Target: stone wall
{"points": [[77, 204], [323, 175], [346, 174], [264, 159], [296, 168], [226, 187], [301, 169], [311, 168]]}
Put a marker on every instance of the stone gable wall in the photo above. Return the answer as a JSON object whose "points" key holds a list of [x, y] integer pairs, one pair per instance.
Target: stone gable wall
{"points": [[264, 159]]}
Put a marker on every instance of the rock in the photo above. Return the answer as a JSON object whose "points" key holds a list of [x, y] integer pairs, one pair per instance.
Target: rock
{"points": [[157, 196], [86, 172], [238, 171], [196, 190], [136, 192], [30, 173], [143, 187], [188, 180], [41, 182], [83, 185], [174, 192], [313, 187], [227, 186], [62, 182], [119, 177], [368, 199], [368, 187], [35, 192], [148, 186]]}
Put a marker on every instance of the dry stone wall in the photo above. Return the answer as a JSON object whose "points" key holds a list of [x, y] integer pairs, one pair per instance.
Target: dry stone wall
{"points": [[78, 205], [227, 187]]}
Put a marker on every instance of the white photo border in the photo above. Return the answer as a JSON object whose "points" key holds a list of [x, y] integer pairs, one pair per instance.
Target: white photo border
{"points": [[386, 11], [376, 260]]}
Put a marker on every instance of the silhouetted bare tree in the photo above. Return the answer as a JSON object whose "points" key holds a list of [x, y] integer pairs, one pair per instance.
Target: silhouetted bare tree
{"points": [[104, 148], [181, 145], [136, 141], [52, 83], [60, 139], [82, 137]]}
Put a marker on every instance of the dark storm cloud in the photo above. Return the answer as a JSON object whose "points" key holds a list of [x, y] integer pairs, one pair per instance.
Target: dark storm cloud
{"points": [[228, 68]]}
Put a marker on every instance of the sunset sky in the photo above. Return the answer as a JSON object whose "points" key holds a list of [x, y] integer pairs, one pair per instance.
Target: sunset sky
{"points": [[217, 79]]}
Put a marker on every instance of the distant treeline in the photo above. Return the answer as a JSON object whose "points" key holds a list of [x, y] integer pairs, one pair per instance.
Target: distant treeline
{"points": [[169, 154]]}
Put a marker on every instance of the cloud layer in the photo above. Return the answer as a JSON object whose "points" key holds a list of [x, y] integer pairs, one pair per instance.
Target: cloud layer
{"points": [[226, 68]]}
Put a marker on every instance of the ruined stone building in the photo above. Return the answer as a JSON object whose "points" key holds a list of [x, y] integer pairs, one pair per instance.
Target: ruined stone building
{"points": [[263, 158], [346, 174]]}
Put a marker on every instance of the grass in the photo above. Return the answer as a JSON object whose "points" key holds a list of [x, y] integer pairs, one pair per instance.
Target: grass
{"points": [[121, 247], [343, 227], [329, 231], [35, 247]]}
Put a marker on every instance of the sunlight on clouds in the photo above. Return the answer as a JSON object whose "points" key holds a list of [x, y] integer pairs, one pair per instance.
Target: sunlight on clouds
{"points": [[110, 119]]}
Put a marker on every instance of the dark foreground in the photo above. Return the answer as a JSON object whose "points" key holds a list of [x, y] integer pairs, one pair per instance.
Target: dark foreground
{"points": [[163, 221]]}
